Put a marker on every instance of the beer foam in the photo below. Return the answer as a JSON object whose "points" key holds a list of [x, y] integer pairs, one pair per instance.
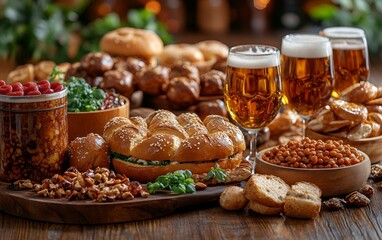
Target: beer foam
{"points": [[343, 32], [348, 45], [306, 46], [247, 59]]}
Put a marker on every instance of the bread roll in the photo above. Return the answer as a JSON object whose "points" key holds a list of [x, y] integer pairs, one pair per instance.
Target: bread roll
{"points": [[22, 74], [266, 190], [232, 198], [360, 92], [96, 63], [89, 152], [119, 80], [263, 209], [349, 111], [179, 53], [43, 69], [170, 142], [132, 42], [154, 80], [212, 83], [303, 200], [183, 92]]}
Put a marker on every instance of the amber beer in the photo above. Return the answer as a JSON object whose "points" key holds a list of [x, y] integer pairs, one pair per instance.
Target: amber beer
{"points": [[253, 89], [350, 56], [306, 71]]}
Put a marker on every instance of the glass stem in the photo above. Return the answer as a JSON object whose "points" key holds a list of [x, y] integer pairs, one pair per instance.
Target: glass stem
{"points": [[252, 148], [303, 120]]}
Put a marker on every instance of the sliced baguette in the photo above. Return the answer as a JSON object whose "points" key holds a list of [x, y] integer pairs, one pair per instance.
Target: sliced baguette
{"points": [[262, 209], [303, 200], [267, 190]]}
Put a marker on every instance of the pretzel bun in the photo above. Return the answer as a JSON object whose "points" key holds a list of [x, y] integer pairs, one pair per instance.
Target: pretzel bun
{"points": [[360, 93], [182, 52], [349, 110], [213, 49], [163, 142], [133, 42]]}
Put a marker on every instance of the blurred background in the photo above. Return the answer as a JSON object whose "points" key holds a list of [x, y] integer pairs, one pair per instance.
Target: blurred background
{"points": [[65, 30]]}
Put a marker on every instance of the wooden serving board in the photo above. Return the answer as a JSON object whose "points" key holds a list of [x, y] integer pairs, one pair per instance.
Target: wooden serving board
{"points": [[27, 204]]}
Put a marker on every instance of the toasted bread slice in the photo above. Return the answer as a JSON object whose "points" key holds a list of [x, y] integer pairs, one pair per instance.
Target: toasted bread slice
{"points": [[262, 209], [267, 190], [303, 200]]}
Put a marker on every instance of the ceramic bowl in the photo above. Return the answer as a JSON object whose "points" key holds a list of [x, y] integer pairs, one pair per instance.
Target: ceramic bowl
{"points": [[371, 146], [331, 181], [81, 124]]}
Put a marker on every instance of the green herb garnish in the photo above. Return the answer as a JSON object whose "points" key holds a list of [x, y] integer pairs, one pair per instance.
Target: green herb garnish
{"points": [[82, 97], [217, 173], [179, 182]]}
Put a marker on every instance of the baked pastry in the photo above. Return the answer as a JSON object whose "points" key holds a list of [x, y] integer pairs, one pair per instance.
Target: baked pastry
{"points": [[180, 53], [263, 209], [267, 190], [154, 80], [232, 198], [183, 92], [212, 83], [119, 80], [89, 152], [360, 92], [349, 110], [75, 70], [163, 142], [303, 200], [213, 49], [133, 42], [22, 74], [213, 107], [185, 69], [96, 63], [43, 69]]}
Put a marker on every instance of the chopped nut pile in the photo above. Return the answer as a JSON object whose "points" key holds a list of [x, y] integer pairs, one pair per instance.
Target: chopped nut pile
{"points": [[99, 185]]}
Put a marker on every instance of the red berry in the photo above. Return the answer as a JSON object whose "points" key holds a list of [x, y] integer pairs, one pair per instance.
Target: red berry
{"points": [[16, 93], [43, 86], [5, 89], [58, 88], [31, 88], [17, 86], [28, 84], [53, 85], [2, 83], [47, 91], [36, 92]]}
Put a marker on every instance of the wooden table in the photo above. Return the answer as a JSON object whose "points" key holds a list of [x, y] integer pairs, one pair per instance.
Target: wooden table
{"points": [[212, 222]]}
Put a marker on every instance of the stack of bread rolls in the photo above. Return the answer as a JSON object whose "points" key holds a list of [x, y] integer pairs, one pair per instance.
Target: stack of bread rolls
{"points": [[145, 148]]}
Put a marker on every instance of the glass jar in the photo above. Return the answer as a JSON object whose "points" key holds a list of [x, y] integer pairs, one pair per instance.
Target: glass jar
{"points": [[34, 136]]}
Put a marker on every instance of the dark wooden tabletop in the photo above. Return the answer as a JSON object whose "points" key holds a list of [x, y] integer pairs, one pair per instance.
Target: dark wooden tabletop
{"points": [[210, 221]]}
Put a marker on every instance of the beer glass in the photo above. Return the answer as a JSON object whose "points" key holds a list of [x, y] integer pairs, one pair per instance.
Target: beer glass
{"points": [[252, 90], [350, 56], [307, 73]]}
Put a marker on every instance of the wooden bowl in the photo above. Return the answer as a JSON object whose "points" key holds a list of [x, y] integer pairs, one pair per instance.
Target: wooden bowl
{"points": [[331, 181], [371, 146], [81, 124]]}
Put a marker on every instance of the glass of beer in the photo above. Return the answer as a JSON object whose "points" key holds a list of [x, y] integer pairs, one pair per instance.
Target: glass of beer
{"points": [[307, 73], [252, 90], [350, 56]]}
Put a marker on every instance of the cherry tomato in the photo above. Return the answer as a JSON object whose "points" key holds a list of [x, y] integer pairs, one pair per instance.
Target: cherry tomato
{"points": [[16, 93], [2, 83], [5, 89], [58, 88], [28, 84], [35, 92], [31, 88], [53, 85], [47, 91], [43, 85], [17, 86]]}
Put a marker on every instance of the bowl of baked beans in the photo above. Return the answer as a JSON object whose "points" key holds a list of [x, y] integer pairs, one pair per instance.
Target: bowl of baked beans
{"points": [[337, 168]]}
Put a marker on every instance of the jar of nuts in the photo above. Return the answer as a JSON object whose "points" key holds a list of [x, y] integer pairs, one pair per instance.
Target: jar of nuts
{"points": [[33, 135]]}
